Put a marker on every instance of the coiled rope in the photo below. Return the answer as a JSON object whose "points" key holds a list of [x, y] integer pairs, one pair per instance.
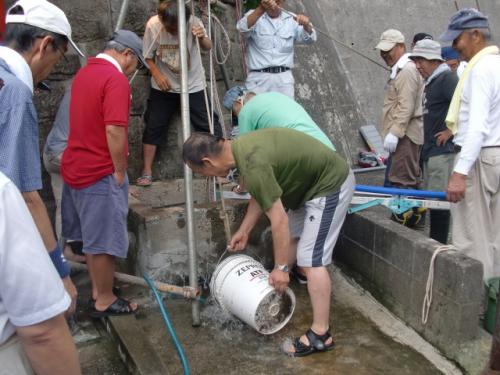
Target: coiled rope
{"points": [[430, 281]]}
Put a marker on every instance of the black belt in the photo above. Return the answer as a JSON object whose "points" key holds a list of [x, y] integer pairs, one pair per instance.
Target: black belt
{"points": [[272, 69]]}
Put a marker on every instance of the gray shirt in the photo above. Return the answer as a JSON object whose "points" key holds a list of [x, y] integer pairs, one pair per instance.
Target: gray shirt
{"points": [[57, 139]]}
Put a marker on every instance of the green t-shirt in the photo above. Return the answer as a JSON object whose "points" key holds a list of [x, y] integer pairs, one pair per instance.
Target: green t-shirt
{"points": [[275, 110], [287, 164]]}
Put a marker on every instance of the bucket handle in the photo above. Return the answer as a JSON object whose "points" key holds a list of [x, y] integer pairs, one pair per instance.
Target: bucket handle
{"points": [[255, 256]]}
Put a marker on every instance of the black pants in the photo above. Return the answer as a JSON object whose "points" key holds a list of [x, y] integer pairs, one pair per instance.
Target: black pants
{"points": [[162, 105], [440, 225]]}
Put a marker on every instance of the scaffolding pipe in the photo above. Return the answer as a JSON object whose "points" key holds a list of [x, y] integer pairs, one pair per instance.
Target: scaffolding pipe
{"points": [[188, 174], [122, 15]]}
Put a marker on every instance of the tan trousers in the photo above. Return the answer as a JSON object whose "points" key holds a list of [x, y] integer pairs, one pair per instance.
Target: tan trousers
{"points": [[476, 219], [13, 360]]}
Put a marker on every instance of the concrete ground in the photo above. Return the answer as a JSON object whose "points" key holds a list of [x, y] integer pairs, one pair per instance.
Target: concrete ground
{"points": [[224, 345], [97, 351], [140, 344]]}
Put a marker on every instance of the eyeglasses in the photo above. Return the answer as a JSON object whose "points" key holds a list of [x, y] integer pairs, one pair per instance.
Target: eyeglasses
{"points": [[140, 65], [63, 53]]}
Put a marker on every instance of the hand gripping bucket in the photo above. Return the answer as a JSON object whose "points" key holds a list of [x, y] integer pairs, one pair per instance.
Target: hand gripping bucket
{"points": [[240, 285]]}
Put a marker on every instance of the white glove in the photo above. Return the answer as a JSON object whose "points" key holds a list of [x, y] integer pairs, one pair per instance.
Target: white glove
{"points": [[390, 143]]}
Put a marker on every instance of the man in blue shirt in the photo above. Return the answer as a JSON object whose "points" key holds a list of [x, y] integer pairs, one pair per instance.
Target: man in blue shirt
{"points": [[270, 35], [37, 36]]}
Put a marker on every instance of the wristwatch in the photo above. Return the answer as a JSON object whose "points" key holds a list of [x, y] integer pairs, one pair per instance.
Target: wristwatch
{"points": [[282, 267]]}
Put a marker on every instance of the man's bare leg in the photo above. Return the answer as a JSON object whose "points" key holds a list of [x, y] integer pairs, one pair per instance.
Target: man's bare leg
{"points": [[148, 156], [319, 286], [90, 267], [292, 253], [103, 273]]}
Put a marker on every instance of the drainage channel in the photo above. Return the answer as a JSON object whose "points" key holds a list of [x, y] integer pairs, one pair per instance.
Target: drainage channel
{"points": [[369, 340]]}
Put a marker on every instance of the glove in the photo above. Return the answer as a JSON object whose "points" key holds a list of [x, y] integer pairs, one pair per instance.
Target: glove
{"points": [[390, 143]]}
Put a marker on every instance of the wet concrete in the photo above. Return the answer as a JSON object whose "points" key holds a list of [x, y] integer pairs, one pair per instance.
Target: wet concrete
{"points": [[97, 351], [224, 345]]}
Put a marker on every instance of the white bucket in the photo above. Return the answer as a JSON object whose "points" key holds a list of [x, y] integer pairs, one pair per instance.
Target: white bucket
{"points": [[240, 285]]}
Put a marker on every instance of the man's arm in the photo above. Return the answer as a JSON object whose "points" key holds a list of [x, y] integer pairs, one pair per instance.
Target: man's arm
{"points": [[50, 347], [160, 79], [408, 86], [240, 238], [40, 216], [117, 139], [476, 133], [248, 21], [305, 32], [200, 33], [281, 244]]}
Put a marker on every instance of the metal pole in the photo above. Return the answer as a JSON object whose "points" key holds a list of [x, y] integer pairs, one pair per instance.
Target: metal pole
{"points": [[122, 15], [369, 169], [188, 174]]}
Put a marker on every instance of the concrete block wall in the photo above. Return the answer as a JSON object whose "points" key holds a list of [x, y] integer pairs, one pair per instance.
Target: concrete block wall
{"points": [[157, 224], [393, 261]]}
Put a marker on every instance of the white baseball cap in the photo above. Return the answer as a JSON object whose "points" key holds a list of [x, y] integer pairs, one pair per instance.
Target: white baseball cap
{"points": [[389, 39], [42, 14]]}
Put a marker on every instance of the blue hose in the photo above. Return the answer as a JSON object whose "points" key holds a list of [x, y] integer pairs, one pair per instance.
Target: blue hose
{"points": [[173, 335], [405, 192]]}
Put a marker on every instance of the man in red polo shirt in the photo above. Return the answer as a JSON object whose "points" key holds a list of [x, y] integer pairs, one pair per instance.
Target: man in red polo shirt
{"points": [[94, 166]]}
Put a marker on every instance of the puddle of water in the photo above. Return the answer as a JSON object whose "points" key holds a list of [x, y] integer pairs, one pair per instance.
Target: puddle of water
{"points": [[225, 345]]}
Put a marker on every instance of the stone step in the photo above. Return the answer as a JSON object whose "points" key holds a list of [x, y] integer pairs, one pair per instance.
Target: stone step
{"points": [[134, 346]]}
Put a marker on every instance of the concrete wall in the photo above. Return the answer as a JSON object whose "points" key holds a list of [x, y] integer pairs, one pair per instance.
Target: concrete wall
{"points": [[393, 261], [157, 224]]}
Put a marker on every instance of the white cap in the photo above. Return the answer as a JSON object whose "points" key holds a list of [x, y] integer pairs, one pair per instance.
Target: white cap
{"points": [[42, 14], [389, 39]]}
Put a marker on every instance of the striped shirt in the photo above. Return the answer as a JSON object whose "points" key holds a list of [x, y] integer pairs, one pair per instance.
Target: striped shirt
{"points": [[19, 148]]}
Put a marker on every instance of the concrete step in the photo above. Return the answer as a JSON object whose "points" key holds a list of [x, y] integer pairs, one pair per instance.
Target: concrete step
{"points": [[134, 346]]}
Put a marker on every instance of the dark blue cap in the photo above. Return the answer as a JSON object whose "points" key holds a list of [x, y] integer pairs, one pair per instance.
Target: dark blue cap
{"points": [[464, 19], [231, 95], [449, 53]]}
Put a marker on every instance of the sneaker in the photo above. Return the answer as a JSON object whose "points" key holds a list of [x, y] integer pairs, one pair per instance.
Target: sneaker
{"points": [[302, 279]]}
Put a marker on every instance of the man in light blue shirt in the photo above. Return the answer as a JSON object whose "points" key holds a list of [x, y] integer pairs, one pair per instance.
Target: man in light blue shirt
{"points": [[37, 36], [271, 34], [271, 110]]}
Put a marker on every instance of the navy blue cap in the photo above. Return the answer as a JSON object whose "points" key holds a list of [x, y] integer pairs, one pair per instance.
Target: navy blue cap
{"points": [[464, 19], [421, 36], [231, 95], [449, 53]]}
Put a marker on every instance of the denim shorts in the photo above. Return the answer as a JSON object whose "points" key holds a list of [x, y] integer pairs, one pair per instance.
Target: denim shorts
{"points": [[97, 216]]}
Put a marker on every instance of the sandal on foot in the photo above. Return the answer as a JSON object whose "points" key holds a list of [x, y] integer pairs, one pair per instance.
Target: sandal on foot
{"points": [[144, 180], [119, 307], [117, 291], [317, 343]]}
